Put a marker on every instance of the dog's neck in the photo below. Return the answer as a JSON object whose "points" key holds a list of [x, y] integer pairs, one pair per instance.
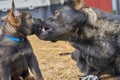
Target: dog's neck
{"points": [[10, 28], [9, 32], [87, 29]]}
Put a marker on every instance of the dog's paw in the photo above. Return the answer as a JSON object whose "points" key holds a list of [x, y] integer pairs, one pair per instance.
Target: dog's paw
{"points": [[29, 78], [89, 77]]}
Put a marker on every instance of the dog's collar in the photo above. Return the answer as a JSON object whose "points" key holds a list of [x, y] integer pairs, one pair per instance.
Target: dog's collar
{"points": [[14, 38]]}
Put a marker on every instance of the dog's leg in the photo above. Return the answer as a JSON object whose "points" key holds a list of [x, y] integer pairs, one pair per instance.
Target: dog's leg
{"points": [[27, 75], [16, 78], [117, 67], [5, 74], [81, 62], [92, 71], [34, 67]]}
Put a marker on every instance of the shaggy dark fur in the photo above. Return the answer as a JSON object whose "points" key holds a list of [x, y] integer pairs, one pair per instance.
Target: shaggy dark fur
{"points": [[94, 33], [17, 59]]}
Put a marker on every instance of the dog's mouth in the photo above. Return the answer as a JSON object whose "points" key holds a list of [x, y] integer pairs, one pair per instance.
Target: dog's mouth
{"points": [[46, 29], [47, 33]]}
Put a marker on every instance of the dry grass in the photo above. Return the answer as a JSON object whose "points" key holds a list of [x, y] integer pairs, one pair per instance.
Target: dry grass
{"points": [[55, 60]]}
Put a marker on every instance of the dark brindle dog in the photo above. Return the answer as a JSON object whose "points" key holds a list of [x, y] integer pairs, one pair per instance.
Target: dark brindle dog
{"points": [[95, 35], [17, 59]]}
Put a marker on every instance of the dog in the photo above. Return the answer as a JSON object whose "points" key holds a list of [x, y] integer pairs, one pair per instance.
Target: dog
{"points": [[94, 33], [17, 59]]}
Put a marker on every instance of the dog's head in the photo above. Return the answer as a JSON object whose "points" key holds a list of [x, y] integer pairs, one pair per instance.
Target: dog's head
{"points": [[20, 24], [63, 21]]}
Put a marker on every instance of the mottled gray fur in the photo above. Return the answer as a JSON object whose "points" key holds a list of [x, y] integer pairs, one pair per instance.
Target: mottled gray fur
{"points": [[17, 59], [94, 33]]}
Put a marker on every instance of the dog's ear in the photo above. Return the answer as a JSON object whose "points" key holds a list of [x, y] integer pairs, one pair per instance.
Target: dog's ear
{"points": [[78, 4], [12, 16]]}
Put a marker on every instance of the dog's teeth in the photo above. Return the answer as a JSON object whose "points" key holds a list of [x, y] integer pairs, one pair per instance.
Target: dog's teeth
{"points": [[43, 29]]}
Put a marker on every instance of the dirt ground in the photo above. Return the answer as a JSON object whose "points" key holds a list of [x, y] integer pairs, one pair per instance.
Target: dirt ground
{"points": [[55, 60]]}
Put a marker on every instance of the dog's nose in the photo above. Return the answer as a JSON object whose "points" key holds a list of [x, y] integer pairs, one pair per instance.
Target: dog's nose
{"points": [[37, 24]]}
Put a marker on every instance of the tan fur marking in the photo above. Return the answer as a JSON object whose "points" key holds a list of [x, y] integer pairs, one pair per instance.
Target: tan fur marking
{"points": [[11, 18], [78, 4]]}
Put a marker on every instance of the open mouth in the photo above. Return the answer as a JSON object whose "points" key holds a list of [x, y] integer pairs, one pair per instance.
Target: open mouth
{"points": [[46, 29], [45, 33]]}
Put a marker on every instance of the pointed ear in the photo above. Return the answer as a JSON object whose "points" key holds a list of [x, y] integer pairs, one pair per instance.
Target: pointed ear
{"points": [[78, 4], [14, 21]]}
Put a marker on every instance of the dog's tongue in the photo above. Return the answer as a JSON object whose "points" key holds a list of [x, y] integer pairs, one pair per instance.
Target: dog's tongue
{"points": [[16, 13]]}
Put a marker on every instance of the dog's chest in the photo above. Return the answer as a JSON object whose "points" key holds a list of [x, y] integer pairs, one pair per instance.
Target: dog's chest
{"points": [[15, 55], [19, 65], [20, 59]]}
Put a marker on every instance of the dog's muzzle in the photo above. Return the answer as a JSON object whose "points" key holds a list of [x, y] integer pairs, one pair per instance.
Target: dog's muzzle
{"points": [[37, 26]]}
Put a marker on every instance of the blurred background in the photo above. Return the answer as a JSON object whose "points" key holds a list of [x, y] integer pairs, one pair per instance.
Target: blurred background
{"points": [[44, 8]]}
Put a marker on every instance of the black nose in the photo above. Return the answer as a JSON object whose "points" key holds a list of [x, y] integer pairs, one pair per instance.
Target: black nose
{"points": [[37, 25]]}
